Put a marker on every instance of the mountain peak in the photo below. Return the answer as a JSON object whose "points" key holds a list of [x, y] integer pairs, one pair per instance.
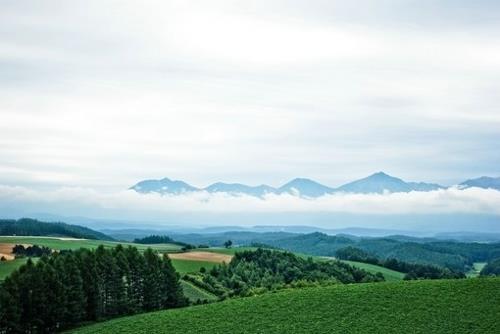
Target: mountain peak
{"points": [[305, 187]]}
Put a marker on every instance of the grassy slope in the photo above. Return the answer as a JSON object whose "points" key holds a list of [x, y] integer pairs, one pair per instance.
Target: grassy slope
{"points": [[476, 270], [390, 275], [6, 267], [189, 266], [55, 243], [193, 293], [447, 306]]}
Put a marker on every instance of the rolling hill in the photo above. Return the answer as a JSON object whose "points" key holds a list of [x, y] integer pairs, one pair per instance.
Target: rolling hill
{"points": [[33, 227], [447, 306]]}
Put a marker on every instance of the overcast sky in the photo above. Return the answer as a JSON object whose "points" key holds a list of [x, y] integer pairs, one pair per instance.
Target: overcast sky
{"points": [[102, 94]]}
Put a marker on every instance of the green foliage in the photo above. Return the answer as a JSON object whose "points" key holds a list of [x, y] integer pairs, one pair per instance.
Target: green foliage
{"points": [[195, 294], [71, 287], [439, 306], [31, 251], [251, 272], [456, 256], [412, 270], [162, 239], [492, 268], [33, 227]]}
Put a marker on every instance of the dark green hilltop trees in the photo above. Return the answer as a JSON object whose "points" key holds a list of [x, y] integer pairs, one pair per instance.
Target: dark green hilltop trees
{"points": [[492, 268], [33, 227], [254, 272], [65, 289], [412, 270]]}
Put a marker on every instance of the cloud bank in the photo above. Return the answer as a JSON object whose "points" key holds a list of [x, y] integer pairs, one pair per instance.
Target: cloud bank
{"points": [[88, 202]]}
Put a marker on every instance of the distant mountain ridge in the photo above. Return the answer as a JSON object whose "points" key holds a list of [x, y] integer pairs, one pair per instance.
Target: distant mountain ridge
{"points": [[484, 182], [377, 183]]}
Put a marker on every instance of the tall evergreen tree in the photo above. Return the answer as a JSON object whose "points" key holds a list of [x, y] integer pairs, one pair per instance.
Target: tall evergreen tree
{"points": [[152, 281], [172, 295]]}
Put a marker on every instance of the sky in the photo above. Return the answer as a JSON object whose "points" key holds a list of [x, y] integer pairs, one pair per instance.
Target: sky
{"points": [[99, 95]]}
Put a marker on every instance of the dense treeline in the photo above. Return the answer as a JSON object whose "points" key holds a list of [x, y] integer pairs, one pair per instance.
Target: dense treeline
{"points": [[412, 270], [251, 272], [162, 239], [33, 227], [456, 256], [65, 289], [492, 268], [31, 251]]}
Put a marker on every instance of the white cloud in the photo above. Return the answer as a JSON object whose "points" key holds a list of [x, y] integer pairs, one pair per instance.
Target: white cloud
{"points": [[74, 201]]}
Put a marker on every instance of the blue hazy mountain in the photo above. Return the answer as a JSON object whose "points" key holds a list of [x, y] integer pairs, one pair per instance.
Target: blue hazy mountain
{"points": [[163, 186], [376, 183], [380, 182], [238, 188], [305, 187], [485, 182]]}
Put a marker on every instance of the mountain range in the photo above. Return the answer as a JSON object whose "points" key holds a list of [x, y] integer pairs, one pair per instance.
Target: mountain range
{"points": [[376, 183]]}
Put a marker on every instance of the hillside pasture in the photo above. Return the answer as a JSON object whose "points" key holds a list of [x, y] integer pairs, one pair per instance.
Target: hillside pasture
{"points": [[439, 306], [73, 244], [389, 275]]}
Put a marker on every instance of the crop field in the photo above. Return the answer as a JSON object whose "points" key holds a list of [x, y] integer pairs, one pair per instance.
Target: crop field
{"points": [[68, 243], [442, 306], [194, 293], [389, 275], [202, 256]]}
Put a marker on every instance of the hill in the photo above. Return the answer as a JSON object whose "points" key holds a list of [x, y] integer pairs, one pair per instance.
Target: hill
{"points": [[33, 227], [447, 306]]}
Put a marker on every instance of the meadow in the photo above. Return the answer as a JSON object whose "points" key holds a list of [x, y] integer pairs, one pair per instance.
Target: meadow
{"points": [[68, 243], [389, 275], [440, 306]]}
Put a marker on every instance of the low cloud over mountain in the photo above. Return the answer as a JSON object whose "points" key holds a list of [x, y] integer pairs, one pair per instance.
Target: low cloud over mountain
{"points": [[377, 183]]}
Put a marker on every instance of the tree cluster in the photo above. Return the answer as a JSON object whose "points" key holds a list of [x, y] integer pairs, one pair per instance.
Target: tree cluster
{"points": [[492, 268], [31, 251], [412, 270], [251, 272], [67, 288], [162, 239]]}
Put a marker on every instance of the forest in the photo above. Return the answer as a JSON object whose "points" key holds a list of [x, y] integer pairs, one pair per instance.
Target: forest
{"points": [[254, 272], [412, 270], [68, 288]]}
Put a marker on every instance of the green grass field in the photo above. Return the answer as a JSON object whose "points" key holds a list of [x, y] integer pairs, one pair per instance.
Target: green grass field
{"points": [[228, 251], [477, 267], [189, 266], [390, 275], [442, 306], [194, 293], [6, 267], [59, 244]]}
